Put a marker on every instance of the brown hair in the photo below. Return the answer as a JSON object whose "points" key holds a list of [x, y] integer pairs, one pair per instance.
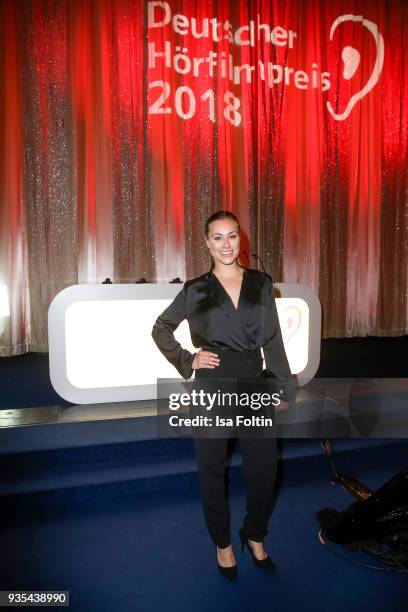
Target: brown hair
{"points": [[217, 216]]}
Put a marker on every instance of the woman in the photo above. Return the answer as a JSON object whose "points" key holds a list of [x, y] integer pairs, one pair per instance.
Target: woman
{"points": [[231, 313]]}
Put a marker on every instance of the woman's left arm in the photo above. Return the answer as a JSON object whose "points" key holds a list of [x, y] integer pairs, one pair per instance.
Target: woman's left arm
{"points": [[274, 350]]}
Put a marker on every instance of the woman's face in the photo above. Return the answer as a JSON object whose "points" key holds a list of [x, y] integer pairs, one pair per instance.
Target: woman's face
{"points": [[223, 241]]}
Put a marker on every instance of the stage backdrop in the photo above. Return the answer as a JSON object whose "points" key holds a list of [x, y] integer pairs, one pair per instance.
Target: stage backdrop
{"points": [[123, 124]]}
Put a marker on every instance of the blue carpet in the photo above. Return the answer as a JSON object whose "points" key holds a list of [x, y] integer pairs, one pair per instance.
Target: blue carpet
{"points": [[152, 551], [25, 382]]}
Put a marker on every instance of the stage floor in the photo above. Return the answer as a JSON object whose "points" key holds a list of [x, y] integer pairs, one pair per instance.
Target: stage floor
{"points": [[325, 408]]}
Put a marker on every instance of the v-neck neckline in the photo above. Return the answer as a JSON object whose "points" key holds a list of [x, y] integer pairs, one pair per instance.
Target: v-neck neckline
{"points": [[225, 291]]}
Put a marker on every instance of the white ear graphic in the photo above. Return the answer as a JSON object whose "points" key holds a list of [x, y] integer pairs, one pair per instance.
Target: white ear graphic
{"points": [[292, 318], [351, 59]]}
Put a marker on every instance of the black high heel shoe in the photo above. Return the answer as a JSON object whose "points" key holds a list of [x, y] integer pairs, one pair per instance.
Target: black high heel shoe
{"points": [[266, 563], [228, 572]]}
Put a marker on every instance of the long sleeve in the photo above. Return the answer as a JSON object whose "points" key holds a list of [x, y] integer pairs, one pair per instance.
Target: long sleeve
{"points": [[274, 350], [162, 334]]}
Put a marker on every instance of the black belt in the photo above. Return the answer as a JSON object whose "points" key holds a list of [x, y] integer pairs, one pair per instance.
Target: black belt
{"points": [[254, 352], [252, 357]]}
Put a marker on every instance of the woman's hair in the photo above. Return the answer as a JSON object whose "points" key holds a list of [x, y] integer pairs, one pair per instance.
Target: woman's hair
{"points": [[217, 216]]}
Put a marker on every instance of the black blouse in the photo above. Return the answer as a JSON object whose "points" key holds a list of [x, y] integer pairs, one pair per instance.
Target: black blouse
{"points": [[215, 322]]}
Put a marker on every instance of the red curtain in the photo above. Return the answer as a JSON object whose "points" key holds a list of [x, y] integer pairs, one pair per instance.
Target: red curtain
{"points": [[124, 124]]}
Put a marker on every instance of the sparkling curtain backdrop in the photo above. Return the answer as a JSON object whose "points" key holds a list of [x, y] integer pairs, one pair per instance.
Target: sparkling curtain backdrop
{"points": [[124, 124]]}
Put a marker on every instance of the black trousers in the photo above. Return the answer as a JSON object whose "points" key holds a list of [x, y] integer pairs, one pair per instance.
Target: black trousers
{"points": [[259, 455]]}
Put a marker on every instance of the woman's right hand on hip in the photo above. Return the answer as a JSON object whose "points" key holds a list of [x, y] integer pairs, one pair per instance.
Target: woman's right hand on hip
{"points": [[205, 359]]}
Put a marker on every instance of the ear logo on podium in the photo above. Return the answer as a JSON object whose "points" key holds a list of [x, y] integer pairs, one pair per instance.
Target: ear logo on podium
{"points": [[290, 322]]}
